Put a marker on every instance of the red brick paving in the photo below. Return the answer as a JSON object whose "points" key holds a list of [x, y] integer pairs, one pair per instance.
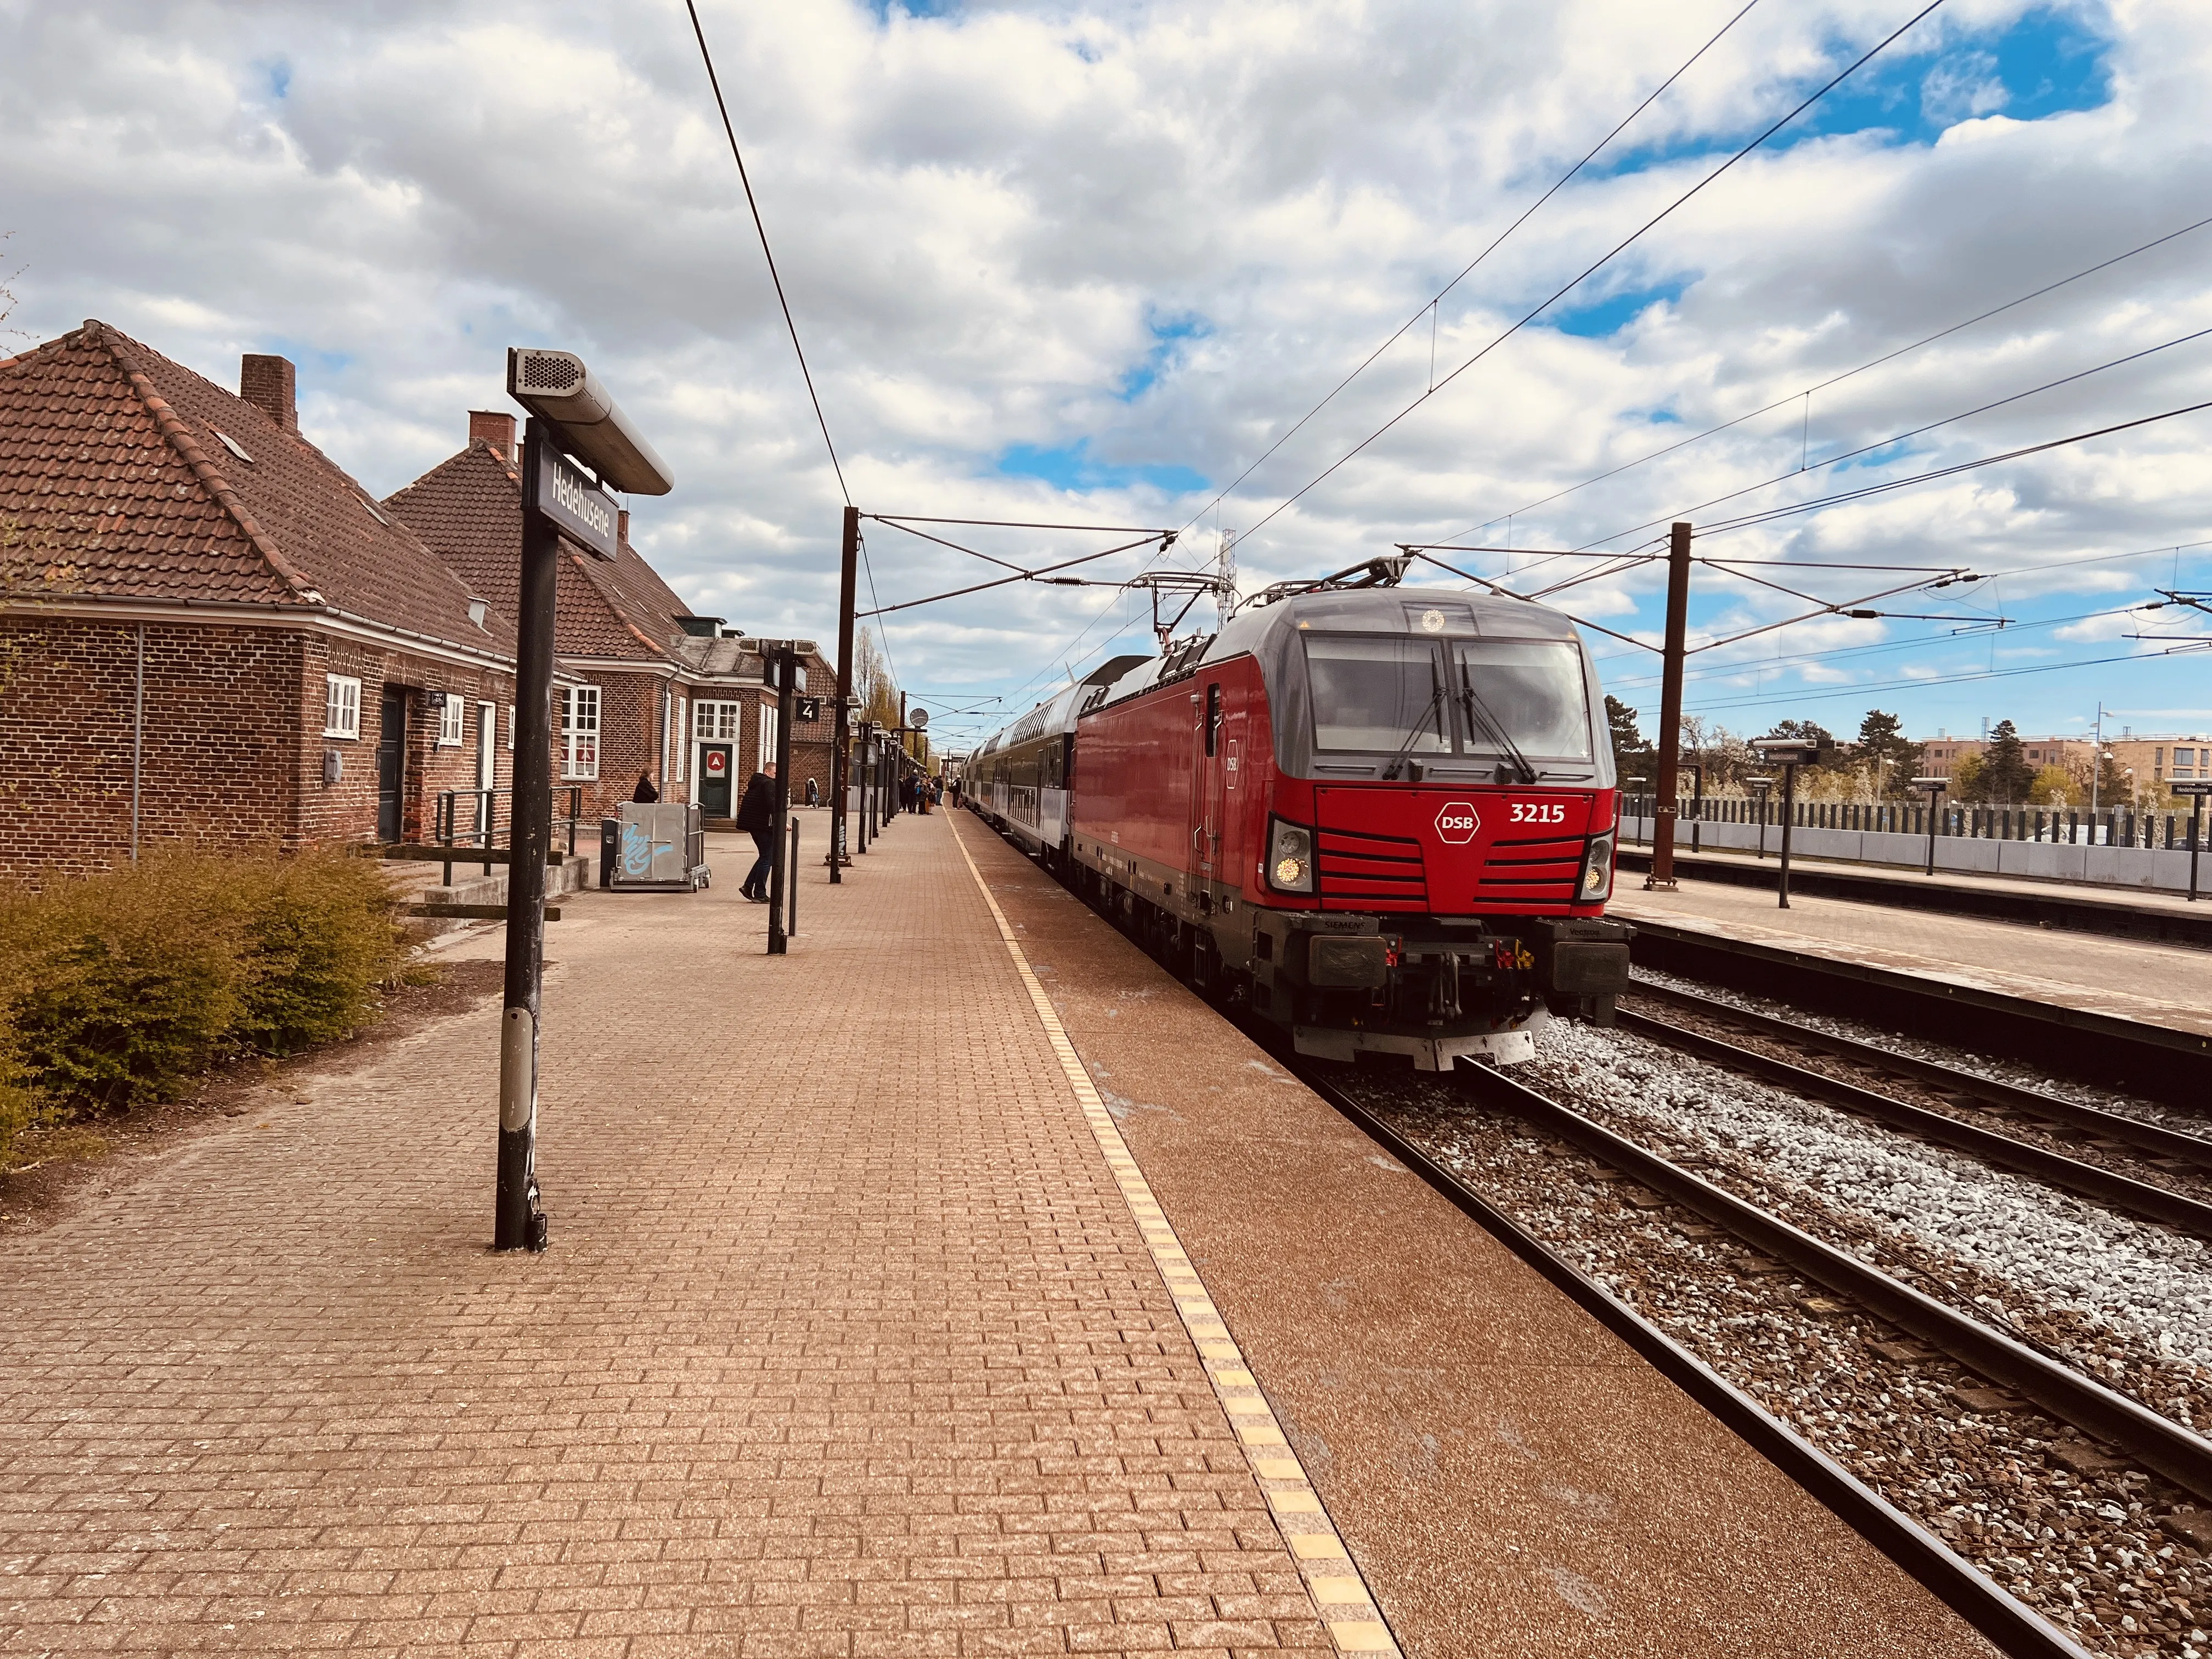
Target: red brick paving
{"points": [[847, 1343]]}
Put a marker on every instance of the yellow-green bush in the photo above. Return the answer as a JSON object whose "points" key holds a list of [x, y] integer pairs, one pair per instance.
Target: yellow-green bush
{"points": [[116, 990]]}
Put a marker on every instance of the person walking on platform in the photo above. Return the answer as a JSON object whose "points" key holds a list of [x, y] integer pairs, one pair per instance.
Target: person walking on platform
{"points": [[756, 818]]}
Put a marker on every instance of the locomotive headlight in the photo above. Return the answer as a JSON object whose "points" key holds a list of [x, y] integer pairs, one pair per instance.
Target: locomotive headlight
{"points": [[1597, 868], [1290, 857]]}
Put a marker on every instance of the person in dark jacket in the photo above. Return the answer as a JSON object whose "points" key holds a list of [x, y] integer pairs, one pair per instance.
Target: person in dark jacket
{"points": [[756, 818], [645, 793]]}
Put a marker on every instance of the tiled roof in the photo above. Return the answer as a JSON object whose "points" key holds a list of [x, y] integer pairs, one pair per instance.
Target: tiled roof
{"points": [[114, 472], [468, 509]]}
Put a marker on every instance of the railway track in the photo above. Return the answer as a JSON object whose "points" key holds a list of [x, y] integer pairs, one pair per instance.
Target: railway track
{"points": [[2142, 1438], [2071, 1170]]}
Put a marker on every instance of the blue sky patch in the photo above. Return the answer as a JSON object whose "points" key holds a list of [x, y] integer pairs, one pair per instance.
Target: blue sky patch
{"points": [[1169, 333], [2043, 64], [1070, 467], [1595, 318], [276, 75], [882, 9]]}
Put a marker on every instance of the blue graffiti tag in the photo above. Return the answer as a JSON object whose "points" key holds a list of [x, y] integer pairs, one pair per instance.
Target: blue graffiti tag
{"points": [[637, 850]]}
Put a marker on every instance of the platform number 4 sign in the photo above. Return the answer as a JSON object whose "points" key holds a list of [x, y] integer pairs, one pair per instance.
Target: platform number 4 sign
{"points": [[806, 709]]}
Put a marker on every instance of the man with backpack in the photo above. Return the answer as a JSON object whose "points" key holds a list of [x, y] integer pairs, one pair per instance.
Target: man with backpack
{"points": [[756, 818]]}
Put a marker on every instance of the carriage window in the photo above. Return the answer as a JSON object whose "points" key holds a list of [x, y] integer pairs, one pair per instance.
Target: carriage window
{"points": [[1213, 720], [1533, 687], [1373, 692]]}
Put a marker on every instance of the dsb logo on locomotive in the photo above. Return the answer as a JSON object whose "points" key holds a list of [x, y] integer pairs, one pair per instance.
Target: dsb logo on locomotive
{"points": [[1457, 822]]}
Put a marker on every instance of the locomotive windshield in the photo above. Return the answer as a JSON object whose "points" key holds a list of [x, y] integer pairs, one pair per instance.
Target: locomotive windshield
{"points": [[1532, 688], [1498, 698], [1376, 692]]}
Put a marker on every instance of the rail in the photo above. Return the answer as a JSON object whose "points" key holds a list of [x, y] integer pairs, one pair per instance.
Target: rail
{"points": [[2014, 1626]]}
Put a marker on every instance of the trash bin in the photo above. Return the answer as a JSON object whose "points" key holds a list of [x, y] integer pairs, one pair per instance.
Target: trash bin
{"points": [[660, 847]]}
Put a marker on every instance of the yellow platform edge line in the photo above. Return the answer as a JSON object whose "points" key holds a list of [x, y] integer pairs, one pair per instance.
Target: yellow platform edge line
{"points": [[1333, 1579]]}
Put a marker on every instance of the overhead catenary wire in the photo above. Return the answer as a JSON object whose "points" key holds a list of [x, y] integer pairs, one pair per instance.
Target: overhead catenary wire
{"points": [[1428, 307], [1019, 576], [1876, 688], [1883, 443], [1837, 379], [1769, 514], [746, 178], [1499, 339]]}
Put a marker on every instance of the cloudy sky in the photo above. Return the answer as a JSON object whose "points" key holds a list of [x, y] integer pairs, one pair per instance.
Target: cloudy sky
{"points": [[1086, 264]]}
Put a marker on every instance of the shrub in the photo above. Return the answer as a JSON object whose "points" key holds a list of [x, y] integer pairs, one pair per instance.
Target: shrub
{"points": [[116, 990], [321, 936]]}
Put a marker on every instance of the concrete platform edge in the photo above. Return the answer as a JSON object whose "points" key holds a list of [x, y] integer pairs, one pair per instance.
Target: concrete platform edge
{"points": [[1333, 1579]]}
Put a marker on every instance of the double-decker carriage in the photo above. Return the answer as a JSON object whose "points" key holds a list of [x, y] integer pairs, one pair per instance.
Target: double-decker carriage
{"points": [[1385, 814]]}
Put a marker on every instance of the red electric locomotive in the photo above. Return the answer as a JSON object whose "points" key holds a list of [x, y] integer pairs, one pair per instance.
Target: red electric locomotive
{"points": [[1385, 815]]}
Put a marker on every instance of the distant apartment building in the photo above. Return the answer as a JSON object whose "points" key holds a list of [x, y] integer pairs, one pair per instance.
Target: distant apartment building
{"points": [[1942, 755], [2157, 762]]}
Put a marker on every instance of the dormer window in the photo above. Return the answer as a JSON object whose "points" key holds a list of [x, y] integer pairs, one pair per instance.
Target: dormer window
{"points": [[231, 444], [477, 609]]}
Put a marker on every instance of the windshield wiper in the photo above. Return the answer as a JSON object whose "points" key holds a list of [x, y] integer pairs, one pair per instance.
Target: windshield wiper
{"points": [[1479, 715]]}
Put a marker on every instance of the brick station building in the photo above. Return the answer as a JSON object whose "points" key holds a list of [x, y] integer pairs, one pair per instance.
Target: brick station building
{"points": [[651, 688], [209, 632]]}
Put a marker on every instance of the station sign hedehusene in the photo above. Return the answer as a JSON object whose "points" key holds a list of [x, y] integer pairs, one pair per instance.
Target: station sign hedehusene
{"points": [[584, 512]]}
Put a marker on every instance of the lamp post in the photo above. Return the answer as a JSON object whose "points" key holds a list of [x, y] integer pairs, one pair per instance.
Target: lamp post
{"points": [[1933, 788], [1760, 788], [1789, 753], [573, 420], [783, 666], [1696, 772]]}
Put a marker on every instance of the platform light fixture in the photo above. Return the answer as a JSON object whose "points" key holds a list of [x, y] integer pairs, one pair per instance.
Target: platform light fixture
{"points": [[1789, 754], [1933, 788], [1760, 788]]}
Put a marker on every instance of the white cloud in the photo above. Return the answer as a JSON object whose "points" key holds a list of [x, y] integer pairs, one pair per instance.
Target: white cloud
{"points": [[982, 219]]}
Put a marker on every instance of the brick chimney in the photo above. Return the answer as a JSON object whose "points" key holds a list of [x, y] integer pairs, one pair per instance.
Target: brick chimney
{"points": [[268, 384], [621, 526], [491, 426]]}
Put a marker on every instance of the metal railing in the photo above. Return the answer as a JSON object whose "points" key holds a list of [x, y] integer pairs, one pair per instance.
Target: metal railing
{"points": [[467, 819], [2117, 827]]}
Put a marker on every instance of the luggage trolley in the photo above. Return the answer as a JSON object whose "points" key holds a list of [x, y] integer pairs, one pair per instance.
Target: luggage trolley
{"points": [[656, 847]]}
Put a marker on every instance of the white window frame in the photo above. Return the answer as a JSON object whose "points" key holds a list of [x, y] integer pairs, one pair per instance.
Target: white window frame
{"points": [[770, 717], [342, 707], [682, 724], [510, 725], [453, 722], [580, 733], [486, 745], [716, 722]]}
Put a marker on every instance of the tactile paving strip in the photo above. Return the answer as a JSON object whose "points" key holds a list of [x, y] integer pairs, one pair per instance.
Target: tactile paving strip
{"points": [[1339, 1592]]}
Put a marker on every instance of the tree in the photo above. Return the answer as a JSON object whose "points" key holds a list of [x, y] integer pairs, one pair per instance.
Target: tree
{"points": [[2116, 784], [1890, 758], [2053, 786], [1968, 781], [2006, 776], [872, 681], [1629, 748]]}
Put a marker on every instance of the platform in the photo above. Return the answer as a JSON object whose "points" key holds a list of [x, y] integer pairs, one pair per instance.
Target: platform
{"points": [[2121, 912], [862, 1332], [2152, 984]]}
